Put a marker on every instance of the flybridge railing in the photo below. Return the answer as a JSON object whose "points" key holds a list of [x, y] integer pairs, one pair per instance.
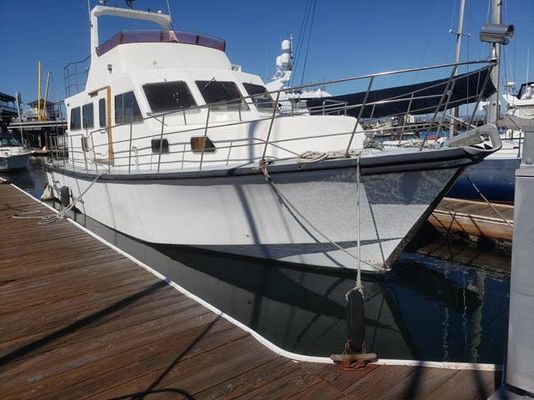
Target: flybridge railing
{"points": [[75, 76], [194, 137], [161, 37]]}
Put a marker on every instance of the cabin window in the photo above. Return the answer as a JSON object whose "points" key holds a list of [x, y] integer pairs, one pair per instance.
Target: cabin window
{"points": [[102, 112], [201, 144], [160, 145], [223, 96], [127, 109], [88, 116], [168, 96], [262, 100], [75, 118]]}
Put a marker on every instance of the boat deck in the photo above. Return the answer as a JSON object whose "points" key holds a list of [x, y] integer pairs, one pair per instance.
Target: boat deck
{"points": [[474, 219], [79, 319]]}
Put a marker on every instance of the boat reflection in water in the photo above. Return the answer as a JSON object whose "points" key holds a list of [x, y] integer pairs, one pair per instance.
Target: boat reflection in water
{"points": [[424, 309]]}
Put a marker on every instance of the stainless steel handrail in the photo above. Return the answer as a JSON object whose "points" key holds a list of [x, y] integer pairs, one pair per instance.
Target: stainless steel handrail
{"points": [[275, 114]]}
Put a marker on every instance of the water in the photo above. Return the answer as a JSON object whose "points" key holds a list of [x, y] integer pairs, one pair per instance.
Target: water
{"points": [[424, 309]]}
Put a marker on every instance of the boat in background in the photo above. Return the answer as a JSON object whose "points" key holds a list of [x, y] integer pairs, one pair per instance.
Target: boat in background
{"points": [[495, 176], [291, 100], [13, 155]]}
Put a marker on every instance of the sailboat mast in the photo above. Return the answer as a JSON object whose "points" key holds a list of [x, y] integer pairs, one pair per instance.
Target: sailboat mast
{"points": [[459, 35], [460, 32], [493, 106]]}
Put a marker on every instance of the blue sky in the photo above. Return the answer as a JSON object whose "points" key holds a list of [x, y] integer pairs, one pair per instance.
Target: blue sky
{"points": [[348, 37]]}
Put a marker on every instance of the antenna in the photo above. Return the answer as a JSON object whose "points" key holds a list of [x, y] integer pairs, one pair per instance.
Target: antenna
{"points": [[89, 11]]}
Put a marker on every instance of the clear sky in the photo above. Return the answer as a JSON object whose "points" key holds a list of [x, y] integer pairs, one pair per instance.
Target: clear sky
{"points": [[348, 37]]}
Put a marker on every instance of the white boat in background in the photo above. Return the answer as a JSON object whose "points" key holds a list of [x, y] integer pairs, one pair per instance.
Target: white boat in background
{"points": [[521, 104], [291, 100], [172, 144], [13, 155]]}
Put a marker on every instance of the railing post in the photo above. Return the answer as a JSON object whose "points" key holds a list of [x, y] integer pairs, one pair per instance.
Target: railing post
{"points": [[362, 107], [65, 152], [84, 150], [205, 136], [404, 123], [270, 127], [183, 156], [130, 150], [229, 150], [72, 151], [161, 141], [94, 153], [434, 116], [479, 97]]}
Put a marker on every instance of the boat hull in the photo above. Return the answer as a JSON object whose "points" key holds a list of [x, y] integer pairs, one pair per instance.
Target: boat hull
{"points": [[245, 215], [494, 177], [14, 162]]}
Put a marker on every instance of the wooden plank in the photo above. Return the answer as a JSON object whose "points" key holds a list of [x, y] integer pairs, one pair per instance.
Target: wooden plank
{"points": [[145, 369], [67, 369], [255, 378], [467, 384], [195, 372], [374, 384]]}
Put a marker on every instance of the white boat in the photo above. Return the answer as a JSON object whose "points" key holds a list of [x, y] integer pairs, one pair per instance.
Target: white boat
{"points": [[291, 100], [13, 155], [172, 144]]}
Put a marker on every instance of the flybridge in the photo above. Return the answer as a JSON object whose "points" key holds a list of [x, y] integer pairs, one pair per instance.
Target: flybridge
{"points": [[166, 36]]}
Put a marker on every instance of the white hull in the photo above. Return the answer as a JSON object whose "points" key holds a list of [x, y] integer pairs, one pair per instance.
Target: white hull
{"points": [[14, 162], [243, 215]]}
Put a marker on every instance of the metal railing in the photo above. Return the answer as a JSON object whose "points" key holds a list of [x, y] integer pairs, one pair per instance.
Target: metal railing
{"points": [[134, 151], [75, 76]]}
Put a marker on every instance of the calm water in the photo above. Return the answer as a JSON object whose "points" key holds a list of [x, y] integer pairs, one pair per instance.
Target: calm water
{"points": [[424, 309]]}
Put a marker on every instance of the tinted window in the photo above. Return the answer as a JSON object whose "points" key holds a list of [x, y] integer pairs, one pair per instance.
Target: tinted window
{"points": [[102, 112], [167, 96], [126, 109], [75, 118], [88, 116], [225, 93], [262, 100]]}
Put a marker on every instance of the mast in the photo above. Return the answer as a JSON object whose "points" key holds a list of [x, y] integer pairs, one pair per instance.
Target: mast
{"points": [[39, 91], [493, 104], [459, 35], [17, 98], [460, 32]]}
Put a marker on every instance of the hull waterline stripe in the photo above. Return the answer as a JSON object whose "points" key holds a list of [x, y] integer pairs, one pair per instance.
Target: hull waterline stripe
{"points": [[271, 346]]}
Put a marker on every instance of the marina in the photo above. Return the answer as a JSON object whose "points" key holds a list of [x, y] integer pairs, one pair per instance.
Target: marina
{"points": [[177, 225]]}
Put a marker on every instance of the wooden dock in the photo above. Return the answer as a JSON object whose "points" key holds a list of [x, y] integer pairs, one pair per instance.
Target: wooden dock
{"points": [[80, 320], [474, 219]]}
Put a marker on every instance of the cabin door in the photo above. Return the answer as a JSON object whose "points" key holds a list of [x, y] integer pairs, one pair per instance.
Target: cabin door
{"points": [[102, 139]]}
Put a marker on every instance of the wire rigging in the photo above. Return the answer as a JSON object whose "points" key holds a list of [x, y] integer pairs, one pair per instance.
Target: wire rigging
{"points": [[308, 43], [300, 37]]}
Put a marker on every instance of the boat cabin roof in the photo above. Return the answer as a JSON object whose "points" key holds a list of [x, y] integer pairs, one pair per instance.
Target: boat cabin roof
{"points": [[161, 36]]}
